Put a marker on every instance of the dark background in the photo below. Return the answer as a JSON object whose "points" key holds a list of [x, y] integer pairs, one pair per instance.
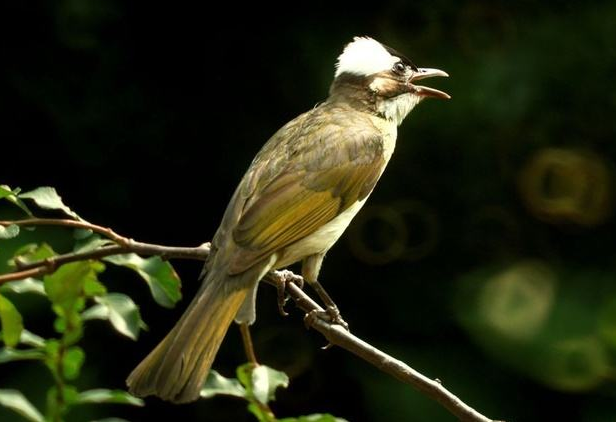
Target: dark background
{"points": [[485, 256]]}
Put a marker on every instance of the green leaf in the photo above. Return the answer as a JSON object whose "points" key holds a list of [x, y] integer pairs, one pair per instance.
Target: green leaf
{"points": [[8, 354], [52, 353], [120, 310], [66, 290], [72, 362], [65, 286], [81, 234], [47, 198], [9, 232], [18, 403], [5, 191], [92, 287], [56, 405], [90, 243], [265, 381], [11, 196], [216, 384], [244, 375], [32, 252], [261, 414], [12, 323], [162, 279], [101, 395], [318, 417], [31, 339], [95, 312], [27, 285]]}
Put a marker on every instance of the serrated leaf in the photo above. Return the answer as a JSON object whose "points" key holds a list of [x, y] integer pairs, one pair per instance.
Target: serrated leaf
{"points": [[102, 395], [9, 232], [27, 285], [11, 196], [11, 322], [317, 417], [72, 362], [216, 384], [120, 310], [8, 354], [47, 198], [265, 381], [162, 279], [31, 339], [17, 402]]}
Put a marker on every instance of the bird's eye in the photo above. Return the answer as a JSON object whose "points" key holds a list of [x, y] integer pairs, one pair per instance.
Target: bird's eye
{"points": [[399, 68]]}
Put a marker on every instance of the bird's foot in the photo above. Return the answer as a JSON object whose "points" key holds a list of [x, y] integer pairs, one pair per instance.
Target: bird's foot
{"points": [[331, 315], [284, 277]]}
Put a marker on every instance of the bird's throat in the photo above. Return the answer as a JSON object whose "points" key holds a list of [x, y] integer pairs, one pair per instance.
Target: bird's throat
{"points": [[395, 109]]}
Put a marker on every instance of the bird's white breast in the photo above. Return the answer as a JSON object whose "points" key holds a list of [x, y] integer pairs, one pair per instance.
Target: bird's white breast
{"points": [[322, 239]]}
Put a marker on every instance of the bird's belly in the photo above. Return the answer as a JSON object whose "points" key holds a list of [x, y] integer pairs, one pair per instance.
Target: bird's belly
{"points": [[321, 240]]}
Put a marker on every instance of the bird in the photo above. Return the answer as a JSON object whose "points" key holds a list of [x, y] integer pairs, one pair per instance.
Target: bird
{"points": [[297, 197]]}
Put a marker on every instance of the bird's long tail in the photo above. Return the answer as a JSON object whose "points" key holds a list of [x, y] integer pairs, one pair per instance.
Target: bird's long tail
{"points": [[176, 369]]}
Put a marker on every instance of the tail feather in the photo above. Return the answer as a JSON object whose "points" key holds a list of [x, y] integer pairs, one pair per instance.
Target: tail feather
{"points": [[178, 366]]}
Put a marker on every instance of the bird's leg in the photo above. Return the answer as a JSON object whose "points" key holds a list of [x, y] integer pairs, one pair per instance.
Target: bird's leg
{"points": [[248, 347], [310, 270]]}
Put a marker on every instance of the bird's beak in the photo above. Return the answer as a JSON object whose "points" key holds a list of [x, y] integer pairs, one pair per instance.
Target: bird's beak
{"points": [[424, 91]]}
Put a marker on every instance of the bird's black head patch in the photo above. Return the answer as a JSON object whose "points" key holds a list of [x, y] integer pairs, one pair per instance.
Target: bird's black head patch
{"points": [[402, 57]]}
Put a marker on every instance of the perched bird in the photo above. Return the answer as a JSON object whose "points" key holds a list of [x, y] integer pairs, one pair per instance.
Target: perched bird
{"points": [[299, 194]]}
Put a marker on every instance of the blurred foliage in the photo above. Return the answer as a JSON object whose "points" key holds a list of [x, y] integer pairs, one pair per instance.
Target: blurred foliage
{"points": [[77, 296], [257, 384], [485, 256]]}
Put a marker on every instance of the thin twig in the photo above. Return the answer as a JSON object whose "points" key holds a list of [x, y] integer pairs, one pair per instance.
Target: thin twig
{"points": [[123, 245], [78, 224], [58, 260], [335, 334], [20, 275]]}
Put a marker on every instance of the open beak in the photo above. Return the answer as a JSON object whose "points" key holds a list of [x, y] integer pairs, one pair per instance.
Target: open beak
{"points": [[424, 91]]}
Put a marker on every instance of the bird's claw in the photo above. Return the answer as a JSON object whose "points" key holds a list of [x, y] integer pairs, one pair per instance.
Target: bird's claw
{"points": [[331, 315], [335, 317], [284, 277], [290, 277]]}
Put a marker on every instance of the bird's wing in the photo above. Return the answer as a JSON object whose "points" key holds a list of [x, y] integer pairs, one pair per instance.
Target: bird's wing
{"points": [[309, 176]]}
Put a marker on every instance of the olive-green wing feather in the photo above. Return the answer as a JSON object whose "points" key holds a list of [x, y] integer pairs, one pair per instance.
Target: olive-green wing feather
{"points": [[326, 168]]}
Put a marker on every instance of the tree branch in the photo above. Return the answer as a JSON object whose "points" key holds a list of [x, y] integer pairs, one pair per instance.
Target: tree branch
{"points": [[335, 334], [123, 245]]}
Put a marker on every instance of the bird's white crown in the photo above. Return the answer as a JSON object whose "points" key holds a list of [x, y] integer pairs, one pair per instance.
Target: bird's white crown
{"points": [[364, 56]]}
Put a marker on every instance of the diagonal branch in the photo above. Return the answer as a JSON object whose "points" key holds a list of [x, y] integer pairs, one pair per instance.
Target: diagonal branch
{"points": [[335, 334]]}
